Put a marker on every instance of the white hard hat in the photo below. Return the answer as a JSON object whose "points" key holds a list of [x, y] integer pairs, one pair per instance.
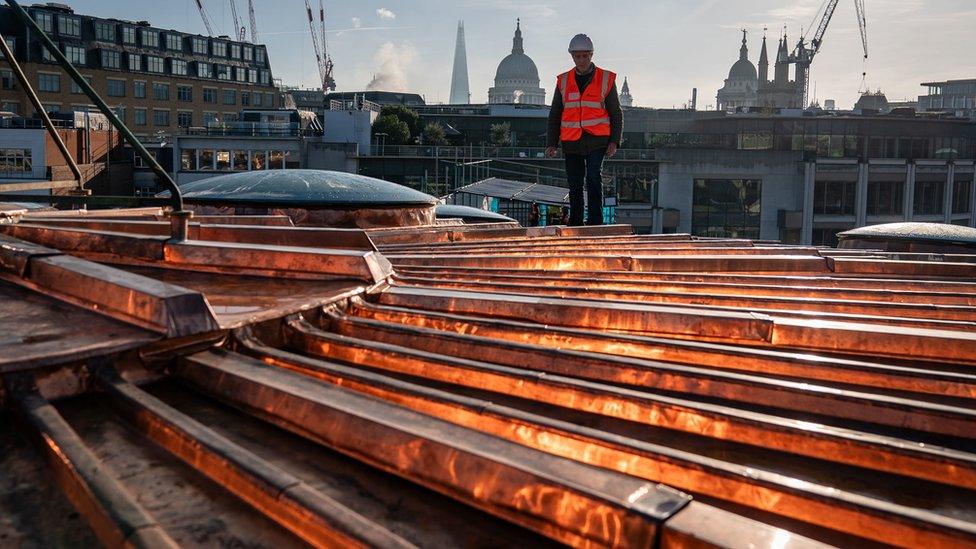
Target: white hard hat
{"points": [[580, 42]]}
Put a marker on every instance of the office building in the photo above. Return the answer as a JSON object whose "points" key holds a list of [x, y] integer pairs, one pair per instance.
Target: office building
{"points": [[157, 80], [955, 96]]}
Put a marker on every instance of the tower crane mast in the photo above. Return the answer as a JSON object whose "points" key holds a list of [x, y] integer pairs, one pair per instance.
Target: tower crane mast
{"points": [[254, 23], [238, 28], [862, 24], [318, 44], [803, 55], [328, 82]]}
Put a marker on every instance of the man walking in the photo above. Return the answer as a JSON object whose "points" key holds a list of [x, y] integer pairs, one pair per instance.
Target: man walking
{"points": [[587, 122]]}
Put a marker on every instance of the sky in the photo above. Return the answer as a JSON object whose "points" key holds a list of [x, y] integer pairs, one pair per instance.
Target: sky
{"points": [[664, 47]]}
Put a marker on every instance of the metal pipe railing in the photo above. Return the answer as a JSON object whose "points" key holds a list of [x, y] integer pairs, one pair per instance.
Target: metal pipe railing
{"points": [[180, 216], [36, 102]]}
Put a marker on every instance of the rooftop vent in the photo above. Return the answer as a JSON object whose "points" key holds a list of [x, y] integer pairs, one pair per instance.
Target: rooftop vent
{"points": [[55, 6]]}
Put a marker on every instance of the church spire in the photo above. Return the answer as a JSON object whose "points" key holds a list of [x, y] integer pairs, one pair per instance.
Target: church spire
{"points": [[783, 55], [763, 63], [626, 99], [744, 50], [517, 41], [782, 62]]}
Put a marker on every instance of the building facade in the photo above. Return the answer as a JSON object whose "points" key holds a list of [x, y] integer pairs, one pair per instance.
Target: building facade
{"points": [[780, 175], [156, 80], [803, 179], [956, 96]]}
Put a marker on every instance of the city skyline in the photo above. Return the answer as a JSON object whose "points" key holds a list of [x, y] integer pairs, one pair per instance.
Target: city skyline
{"points": [[683, 45]]}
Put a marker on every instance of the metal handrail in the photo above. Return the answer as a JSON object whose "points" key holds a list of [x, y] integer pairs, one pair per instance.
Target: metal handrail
{"points": [[36, 102], [179, 216]]}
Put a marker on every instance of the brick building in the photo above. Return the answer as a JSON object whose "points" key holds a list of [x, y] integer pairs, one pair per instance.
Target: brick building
{"points": [[158, 80]]}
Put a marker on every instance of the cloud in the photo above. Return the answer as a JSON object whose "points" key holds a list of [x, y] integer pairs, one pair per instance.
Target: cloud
{"points": [[797, 11], [528, 10], [392, 61], [384, 13], [356, 22]]}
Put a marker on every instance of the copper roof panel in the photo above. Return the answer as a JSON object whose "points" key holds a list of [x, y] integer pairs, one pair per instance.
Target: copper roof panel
{"points": [[584, 386]]}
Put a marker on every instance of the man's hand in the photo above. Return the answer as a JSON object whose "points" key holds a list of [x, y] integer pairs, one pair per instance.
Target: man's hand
{"points": [[611, 149], [550, 152]]}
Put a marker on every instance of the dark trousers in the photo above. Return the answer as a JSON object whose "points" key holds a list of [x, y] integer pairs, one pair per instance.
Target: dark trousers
{"points": [[580, 169]]}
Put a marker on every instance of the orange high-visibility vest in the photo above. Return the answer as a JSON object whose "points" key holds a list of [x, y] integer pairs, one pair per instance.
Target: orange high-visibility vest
{"points": [[585, 111]]}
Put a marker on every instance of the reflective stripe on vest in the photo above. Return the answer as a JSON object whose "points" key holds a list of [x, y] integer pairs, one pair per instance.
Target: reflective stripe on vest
{"points": [[578, 104], [584, 110], [586, 123]]}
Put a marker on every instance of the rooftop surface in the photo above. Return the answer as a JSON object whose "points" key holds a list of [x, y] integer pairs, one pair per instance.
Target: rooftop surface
{"points": [[468, 385]]}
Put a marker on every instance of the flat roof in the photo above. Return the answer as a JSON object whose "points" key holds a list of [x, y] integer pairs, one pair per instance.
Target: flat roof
{"points": [[963, 81], [518, 190]]}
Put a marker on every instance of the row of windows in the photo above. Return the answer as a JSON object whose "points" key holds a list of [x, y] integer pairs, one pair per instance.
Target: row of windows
{"points": [[112, 59], [107, 31], [230, 160], [184, 119], [68, 25], [888, 197], [15, 160], [824, 146], [140, 115], [50, 82]]}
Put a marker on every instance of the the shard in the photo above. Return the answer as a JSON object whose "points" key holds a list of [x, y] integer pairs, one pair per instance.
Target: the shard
{"points": [[460, 93]]}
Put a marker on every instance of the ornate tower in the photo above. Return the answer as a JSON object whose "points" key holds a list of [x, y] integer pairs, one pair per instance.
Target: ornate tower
{"points": [[740, 89], [763, 65], [517, 77], [517, 41], [626, 100], [460, 93], [783, 62], [744, 50]]}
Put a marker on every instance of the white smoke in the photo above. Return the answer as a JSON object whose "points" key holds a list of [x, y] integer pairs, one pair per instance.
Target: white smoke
{"points": [[517, 96], [384, 13], [392, 61], [356, 22]]}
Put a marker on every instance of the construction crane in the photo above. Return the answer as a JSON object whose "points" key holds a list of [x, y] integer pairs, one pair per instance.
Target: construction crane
{"points": [[238, 27], [328, 83], [205, 17], [319, 44], [254, 23], [803, 55]]}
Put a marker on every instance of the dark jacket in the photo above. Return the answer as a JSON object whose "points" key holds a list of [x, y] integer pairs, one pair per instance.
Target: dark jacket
{"points": [[588, 143]]}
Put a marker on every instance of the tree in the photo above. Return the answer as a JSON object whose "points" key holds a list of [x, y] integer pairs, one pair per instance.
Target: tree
{"points": [[434, 134], [501, 134], [408, 116], [396, 130]]}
